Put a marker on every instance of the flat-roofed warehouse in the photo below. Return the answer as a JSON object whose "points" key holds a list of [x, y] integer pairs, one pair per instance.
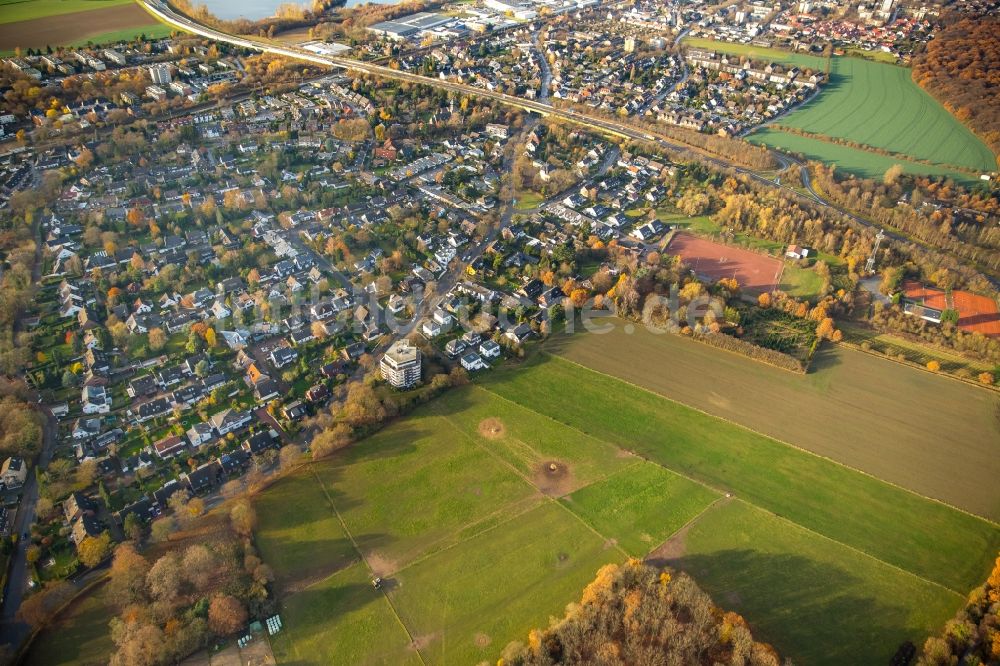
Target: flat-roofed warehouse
{"points": [[407, 26]]}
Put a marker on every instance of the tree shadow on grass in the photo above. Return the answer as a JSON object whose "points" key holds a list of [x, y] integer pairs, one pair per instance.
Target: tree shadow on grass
{"points": [[809, 610], [826, 357], [312, 613]]}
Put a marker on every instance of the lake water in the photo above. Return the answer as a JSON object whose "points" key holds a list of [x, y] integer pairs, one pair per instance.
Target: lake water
{"points": [[258, 9]]}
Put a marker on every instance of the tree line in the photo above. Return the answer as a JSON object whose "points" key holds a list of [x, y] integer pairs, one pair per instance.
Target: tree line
{"points": [[961, 68], [635, 613], [973, 635]]}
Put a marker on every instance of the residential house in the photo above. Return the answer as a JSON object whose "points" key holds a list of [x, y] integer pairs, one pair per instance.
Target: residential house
{"points": [[95, 400], [169, 446], [14, 472], [230, 420]]}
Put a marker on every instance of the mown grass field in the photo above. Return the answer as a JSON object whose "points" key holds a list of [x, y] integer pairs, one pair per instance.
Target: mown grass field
{"points": [[488, 510], [79, 636], [930, 434], [12, 11], [462, 524], [792, 584]]}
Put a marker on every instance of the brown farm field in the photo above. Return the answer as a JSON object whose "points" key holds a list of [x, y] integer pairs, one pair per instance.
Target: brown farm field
{"points": [[70, 28], [754, 272], [935, 436]]}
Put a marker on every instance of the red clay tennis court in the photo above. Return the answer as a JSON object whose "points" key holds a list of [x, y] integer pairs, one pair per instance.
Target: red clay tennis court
{"points": [[977, 313], [929, 297], [754, 272]]}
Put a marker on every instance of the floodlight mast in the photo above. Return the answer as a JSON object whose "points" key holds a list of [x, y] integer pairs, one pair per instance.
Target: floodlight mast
{"points": [[870, 266]]}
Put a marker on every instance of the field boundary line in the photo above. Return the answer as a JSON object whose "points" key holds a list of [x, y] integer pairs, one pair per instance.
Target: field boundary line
{"points": [[850, 547], [552, 500], [354, 543], [691, 521], [989, 521], [764, 509], [459, 541], [427, 556]]}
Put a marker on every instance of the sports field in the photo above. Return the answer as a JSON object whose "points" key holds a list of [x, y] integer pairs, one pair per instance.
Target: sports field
{"points": [[486, 511], [933, 435], [753, 271]]}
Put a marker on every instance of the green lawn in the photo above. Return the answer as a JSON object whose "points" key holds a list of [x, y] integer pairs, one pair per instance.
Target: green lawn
{"points": [[792, 584], [79, 636], [297, 518], [528, 200], [800, 282], [814, 62], [466, 605], [641, 505], [12, 11], [461, 522], [342, 620]]}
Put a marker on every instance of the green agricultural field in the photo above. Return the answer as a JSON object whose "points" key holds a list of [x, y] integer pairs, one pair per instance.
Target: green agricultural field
{"points": [[792, 585], [814, 62], [879, 105], [883, 418], [871, 103], [152, 31], [12, 11], [861, 163]]}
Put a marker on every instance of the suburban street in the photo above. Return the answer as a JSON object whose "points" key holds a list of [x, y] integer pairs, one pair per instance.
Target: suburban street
{"points": [[614, 128]]}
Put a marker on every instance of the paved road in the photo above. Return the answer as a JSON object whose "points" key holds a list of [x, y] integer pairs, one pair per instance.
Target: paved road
{"points": [[12, 631], [613, 127]]}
